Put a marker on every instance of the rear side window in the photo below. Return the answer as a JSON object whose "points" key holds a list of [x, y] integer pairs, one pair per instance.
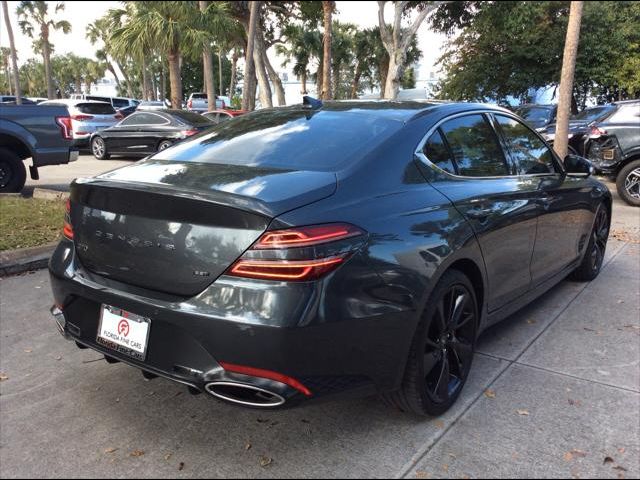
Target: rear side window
{"points": [[438, 153], [95, 108], [475, 147], [529, 153], [190, 118], [120, 102], [144, 119]]}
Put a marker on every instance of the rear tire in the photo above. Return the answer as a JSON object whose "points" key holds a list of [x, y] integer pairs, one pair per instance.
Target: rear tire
{"points": [[628, 183], [99, 148], [593, 257], [164, 144], [442, 349], [13, 173]]}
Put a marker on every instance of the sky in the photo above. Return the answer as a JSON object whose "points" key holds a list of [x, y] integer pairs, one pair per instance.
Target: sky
{"points": [[81, 13]]}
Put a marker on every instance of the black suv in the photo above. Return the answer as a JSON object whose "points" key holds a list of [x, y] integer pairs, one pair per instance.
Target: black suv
{"points": [[614, 148]]}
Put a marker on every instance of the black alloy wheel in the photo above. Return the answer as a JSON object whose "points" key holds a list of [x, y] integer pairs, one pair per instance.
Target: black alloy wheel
{"points": [[594, 256], [442, 351]]}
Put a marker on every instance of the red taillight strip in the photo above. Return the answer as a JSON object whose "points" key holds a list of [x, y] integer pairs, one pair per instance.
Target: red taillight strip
{"points": [[285, 270], [258, 372], [65, 127], [306, 236]]}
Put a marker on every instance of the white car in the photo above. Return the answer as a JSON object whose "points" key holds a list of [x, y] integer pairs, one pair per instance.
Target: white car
{"points": [[198, 103], [87, 117]]}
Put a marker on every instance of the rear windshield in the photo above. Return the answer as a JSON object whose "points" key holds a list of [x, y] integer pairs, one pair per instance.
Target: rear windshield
{"points": [[199, 96], [190, 118], [288, 138], [95, 108], [534, 113]]}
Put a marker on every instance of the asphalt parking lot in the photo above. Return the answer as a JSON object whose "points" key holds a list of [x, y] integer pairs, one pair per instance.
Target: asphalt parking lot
{"points": [[554, 392]]}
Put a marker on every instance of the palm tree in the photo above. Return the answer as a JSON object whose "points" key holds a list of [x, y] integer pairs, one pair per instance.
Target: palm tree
{"points": [[100, 31], [248, 91], [301, 46], [170, 28], [14, 55], [35, 15], [207, 65]]}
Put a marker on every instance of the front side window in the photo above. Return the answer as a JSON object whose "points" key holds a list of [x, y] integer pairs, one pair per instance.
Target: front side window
{"points": [[529, 153], [438, 153], [475, 147]]}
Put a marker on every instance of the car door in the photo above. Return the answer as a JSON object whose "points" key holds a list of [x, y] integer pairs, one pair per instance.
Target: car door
{"points": [[563, 202], [480, 183], [119, 138]]}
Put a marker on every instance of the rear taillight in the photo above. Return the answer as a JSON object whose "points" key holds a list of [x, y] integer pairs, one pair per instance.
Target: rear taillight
{"points": [[65, 127], [597, 131], [189, 104], [81, 118], [299, 254], [188, 133], [67, 229]]}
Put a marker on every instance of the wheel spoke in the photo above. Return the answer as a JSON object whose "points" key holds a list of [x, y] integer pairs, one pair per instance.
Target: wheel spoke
{"points": [[442, 386], [462, 353], [431, 359], [457, 320], [442, 322]]}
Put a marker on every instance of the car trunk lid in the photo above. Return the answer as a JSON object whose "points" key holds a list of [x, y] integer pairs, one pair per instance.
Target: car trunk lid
{"points": [[175, 227]]}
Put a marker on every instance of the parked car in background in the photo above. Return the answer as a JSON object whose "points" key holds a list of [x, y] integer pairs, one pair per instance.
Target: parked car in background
{"points": [[219, 116], [538, 116], [580, 127], [116, 102], [39, 132], [152, 105], [38, 100], [142, 133], [614, 148], [126, 111], [197, 102], [277, 259], [12, 99], [87, 116]]}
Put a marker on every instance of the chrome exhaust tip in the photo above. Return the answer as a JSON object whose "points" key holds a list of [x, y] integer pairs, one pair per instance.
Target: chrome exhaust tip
{"points": [[244, 394]]}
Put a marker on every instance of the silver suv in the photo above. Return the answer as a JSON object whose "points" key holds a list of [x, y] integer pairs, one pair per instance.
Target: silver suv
{"points": [[197, 102]]}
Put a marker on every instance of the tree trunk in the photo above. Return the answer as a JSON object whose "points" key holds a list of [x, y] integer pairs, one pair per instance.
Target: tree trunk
{"points": [[265, 93], [145, 80], [394, 73], [248, 91], [207, 63], [383, 69], [561, 141], [303, 81], [46, 56], [327, 8], [163, 83], [234, 78], [126, 79], [355, 85], [175, 80], [78, 87], [319, 78], [275, 79], [220, 82], [113, 72], [14, 56], [154, 86], [336, 81]]}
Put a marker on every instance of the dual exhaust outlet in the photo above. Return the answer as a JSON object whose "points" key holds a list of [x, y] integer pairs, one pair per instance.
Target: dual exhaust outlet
{"points": [[244, 394]]}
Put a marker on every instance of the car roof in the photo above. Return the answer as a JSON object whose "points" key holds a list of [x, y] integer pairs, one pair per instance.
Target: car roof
{"points": [[627, 102], [72, 102], [401, 110]]}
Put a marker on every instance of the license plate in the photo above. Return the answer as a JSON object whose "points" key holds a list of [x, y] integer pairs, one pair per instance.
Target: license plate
{"points": [[123, 331]]}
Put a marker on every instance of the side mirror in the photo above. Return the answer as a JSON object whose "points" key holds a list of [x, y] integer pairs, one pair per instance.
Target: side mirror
{"points": [[575, 164]]}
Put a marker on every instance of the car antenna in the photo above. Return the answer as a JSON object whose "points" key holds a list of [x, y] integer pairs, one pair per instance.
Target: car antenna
{"points": [[312, 103]]}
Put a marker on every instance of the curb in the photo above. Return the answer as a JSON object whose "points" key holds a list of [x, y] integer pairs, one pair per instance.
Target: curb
{"points": [[25, 259], [47, 194]]}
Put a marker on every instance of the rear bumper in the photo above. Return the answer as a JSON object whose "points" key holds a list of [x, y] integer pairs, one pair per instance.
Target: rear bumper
{"points": [[189, 338], [55, 156]]}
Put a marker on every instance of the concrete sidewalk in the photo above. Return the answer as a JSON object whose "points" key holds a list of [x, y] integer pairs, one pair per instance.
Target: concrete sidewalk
{"points": [[554, 392]]}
